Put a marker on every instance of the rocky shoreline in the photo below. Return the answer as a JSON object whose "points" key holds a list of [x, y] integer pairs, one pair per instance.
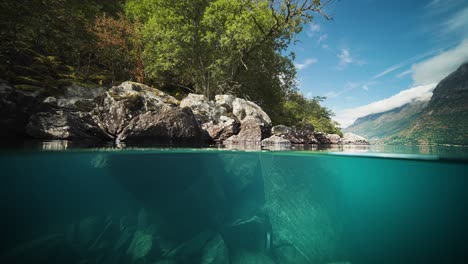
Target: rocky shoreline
{"points": [[134, 113]]}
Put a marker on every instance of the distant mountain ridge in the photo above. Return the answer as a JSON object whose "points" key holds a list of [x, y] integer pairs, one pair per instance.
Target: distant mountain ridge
{"points": [[378, 126], [441, 120]]}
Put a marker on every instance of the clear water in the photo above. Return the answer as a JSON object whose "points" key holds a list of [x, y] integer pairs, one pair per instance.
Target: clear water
{"points": [[221, 206]]}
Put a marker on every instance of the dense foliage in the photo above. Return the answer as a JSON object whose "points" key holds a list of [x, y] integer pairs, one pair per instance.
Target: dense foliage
{"points": [[181, 46]]}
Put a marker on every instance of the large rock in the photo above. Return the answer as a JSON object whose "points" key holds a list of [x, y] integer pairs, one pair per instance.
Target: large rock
{"points": [[353, 139], [223, 118], [62, 124], [246, 111], [217, 120], [276, 142], [296, 135], [175, 125], [251, 132], [334, 138], [327, 139], [135, 112], [299, 203], [15, 109], [215, 252], [76, 97]]}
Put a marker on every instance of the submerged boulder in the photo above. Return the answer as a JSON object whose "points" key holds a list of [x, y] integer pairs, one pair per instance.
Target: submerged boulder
{"points": [[215, 251], [304, 227]]}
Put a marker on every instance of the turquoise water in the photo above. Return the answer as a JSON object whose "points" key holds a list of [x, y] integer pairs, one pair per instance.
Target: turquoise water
{"points": [[221, 206]]}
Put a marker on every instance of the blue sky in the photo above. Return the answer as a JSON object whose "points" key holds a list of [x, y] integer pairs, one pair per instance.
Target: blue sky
{"points": [[376, 55]]}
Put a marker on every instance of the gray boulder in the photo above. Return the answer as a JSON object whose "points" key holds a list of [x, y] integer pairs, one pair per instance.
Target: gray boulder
{"points": [[296, 135], [217, 120], [62, 124], [15, 109], [276, 142], [250, 132], [175, 125], [76, 97], [246, 111], [353, 139], [134, 112], [327, 139], [334, 138]]}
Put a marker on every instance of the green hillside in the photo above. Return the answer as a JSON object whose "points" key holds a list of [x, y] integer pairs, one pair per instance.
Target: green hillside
{"points": [[442, 120], [390, 123]]}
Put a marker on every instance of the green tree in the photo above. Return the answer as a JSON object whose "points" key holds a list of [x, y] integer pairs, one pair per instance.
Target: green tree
{"points": [[298, 111], [209, 44]]}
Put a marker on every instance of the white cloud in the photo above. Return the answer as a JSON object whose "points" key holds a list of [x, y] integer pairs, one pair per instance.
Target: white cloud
{"points": [[313, 30], [345, 58], [423, 92], [435, 69], [458, 23], [403, 74], [314, 27], [305, 64], [322, 38], [404, 63], [365, 87], [348, 87]]}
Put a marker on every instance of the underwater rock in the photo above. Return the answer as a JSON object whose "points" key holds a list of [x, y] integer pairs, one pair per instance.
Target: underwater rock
{"points": [[192, 247], [252, 234], [61, 124], [215, 252], [251, 257], [242, 184], [303, 227], [141, 245]]}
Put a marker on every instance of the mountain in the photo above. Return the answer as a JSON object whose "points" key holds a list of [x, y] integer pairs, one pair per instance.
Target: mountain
{"points": [[390, 123], [442, 120]]}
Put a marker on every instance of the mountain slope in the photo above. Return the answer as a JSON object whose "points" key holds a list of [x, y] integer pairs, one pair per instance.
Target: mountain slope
{"points": [[445, 119], [389, 123], [442, 120]]}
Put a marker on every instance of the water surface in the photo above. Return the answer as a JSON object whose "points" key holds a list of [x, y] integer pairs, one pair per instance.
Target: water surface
{"points": [[361, 205]]}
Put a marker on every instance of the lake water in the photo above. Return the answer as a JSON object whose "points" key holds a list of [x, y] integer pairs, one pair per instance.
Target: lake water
{"points": [[370, 205]]}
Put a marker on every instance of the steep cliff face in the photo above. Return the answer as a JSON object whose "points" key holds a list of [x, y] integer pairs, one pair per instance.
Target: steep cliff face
{"points": [[442, 120], [390, 123], [445, 119]]}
